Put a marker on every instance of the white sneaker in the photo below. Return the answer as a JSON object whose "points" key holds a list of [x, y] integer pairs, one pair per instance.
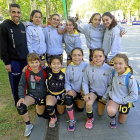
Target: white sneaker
{"points": [[28, 129]]}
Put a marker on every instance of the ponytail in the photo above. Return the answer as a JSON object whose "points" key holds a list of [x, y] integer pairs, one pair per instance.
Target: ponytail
{"points": [[131, 69]]}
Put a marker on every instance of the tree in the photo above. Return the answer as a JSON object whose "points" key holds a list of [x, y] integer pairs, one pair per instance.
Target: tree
{"points": [[47, 7], [4, 9]]}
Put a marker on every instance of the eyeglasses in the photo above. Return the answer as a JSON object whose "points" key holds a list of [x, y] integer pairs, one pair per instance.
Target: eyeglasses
{"points": [[55, 19]]}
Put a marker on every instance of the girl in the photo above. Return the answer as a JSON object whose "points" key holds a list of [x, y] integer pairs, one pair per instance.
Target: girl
{"points": [[120, 97], [71, 38], [53, 39], [93, 32], [33, 78], [95, 82], [35, 35], [111, 41], [73, 85], [55, 91]]}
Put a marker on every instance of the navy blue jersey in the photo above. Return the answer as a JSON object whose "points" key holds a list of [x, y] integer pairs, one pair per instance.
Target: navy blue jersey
{"points": [[55, 81]]}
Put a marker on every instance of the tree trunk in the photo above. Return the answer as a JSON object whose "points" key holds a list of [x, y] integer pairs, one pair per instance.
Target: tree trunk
{"points": [[48, 7], [33, 5]]}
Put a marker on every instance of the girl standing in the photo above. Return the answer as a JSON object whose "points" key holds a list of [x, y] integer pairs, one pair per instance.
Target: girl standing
{"points": [[112, 40], [53, 39], [35, 35], [71, 39], [56, 90], [96, 79], [120, 96], [34, 78], [73, 85], [94, 32]]}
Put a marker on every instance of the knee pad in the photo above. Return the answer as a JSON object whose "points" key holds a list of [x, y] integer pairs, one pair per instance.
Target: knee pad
{"points": [[49, 109], [69, 109], [68, 100], [22, 109], [39, 115], [80, 109]]}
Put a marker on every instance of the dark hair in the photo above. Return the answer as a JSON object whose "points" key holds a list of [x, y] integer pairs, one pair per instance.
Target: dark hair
{"points": [[125, 58], [71, 20], [13, 5], [114, 22], [77, 48], [55, 57], [32, 14], [76, 19], [94, 16], [98, 49], [55, 15], [33, 57]]}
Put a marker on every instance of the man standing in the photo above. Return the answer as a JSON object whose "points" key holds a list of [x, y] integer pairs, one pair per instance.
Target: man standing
{"points": [[76, 17], [13, 46]]}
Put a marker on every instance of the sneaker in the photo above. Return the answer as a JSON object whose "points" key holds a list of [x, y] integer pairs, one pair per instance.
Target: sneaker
{"points": [[52, 122], [71, 125], [113, 123], [28, 130], [89, 123]]}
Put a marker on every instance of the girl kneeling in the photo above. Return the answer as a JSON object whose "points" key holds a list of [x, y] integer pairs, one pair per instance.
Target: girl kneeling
{"points": [[55, 91], [96, 79], [121, 96], [73, 85], [34, 77]]}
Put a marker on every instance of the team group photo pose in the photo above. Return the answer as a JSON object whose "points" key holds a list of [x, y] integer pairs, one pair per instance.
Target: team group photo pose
{"points": [[35, 35], [50, 70]]}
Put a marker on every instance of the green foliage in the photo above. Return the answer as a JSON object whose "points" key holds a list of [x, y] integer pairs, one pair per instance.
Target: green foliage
{"points": [[1, 18], [53, 6], [102, 6], [25, 9], [4, 9]]}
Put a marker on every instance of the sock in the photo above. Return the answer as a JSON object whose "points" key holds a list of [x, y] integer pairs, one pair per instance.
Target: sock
{"points": [[28, 122], [90, 114], [70, 113], [112, 117]]}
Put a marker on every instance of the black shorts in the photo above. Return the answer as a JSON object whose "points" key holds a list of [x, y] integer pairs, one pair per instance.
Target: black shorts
{"points": [[48, 57], [99, 98], [69, 57], [39, 101], [90, 55], [42, 56], [60, 98], [124, 108], [79, 96]]}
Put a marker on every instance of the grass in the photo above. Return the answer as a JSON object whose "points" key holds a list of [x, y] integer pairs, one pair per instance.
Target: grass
{"points": [[11, 124]]}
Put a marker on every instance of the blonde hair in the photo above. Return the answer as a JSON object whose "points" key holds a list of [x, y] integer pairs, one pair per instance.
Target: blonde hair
{"points": [[126, 60]]}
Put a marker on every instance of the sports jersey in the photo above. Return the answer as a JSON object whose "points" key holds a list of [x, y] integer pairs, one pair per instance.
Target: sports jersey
{"points": [[55, 81]]}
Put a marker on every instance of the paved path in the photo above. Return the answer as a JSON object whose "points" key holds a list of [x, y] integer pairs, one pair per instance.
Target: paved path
{"points": [[130, 130]]}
